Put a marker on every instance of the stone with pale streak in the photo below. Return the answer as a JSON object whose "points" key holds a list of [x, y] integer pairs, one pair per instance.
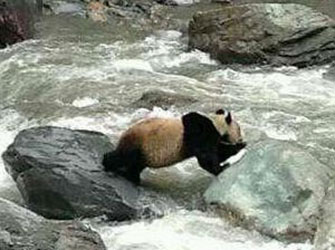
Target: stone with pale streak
{"points": [[277, 188]]}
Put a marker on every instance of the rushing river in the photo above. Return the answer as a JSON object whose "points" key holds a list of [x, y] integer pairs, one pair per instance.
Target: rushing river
{"points": [[82, 75]]}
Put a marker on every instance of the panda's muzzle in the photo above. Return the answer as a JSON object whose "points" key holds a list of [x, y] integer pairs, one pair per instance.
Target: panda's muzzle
{"points": [[224, 140], [241, 144]]}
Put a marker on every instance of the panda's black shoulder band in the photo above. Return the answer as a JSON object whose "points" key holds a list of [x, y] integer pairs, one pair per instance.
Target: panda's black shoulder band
{"points": [[195, 123], [199, 132]]}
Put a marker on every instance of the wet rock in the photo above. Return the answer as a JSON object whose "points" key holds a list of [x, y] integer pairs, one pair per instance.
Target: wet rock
{"points": [[128, 9], [325, 236], [143, 15], [276, 189], [277, 34], [330, 74], [97, 12], [16, 21], [63, 7], [21, 229], [59, 173], [158, 98]]}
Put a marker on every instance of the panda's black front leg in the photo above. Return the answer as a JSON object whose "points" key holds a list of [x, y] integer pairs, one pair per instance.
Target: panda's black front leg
{"points": [[210, 162]]}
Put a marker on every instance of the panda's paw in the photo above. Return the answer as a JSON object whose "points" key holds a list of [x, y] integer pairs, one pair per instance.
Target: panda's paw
{"points": [[224, 166]]}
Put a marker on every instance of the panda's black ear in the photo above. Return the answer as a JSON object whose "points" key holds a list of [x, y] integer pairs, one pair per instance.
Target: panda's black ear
{"points": [[220, 112], [228, 118]]}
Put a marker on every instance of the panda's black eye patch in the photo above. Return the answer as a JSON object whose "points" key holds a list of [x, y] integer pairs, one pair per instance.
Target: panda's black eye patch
{"points": [[220, 112]]}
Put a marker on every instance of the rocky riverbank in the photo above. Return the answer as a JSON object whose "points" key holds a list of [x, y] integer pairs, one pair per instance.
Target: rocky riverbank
{"points": [[21, 229]]}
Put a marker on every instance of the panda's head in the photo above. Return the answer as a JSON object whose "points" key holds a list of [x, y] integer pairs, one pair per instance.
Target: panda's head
{"points": [[228, 128]]}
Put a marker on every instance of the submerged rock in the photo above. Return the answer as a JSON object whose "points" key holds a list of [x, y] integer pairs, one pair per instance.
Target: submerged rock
{"points": [[74, 7], [97, 12], [158, 98], [132, 9], [21, 229], [330, 73], [325, 236], [141, 15], [59, 173], [276, 189], [16, 21], [278, 34]]}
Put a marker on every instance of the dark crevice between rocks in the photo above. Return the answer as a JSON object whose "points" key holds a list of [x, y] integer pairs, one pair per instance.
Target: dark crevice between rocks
{"points": [[302, 34]]}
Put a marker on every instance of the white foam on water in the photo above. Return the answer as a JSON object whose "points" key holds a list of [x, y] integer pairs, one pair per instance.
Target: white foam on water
{"points": [[84, 102], [186, 2], [278, 85], [68, 8], [66, 73], [159, 112], [110, 125], [7, 138], [131, 64], [281, 134], [160, 51], [169, 61], [188, 230], [113, 123], [10, 124], [284, 97]]}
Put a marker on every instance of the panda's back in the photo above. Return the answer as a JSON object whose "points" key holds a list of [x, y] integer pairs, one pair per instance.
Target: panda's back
{"points": [[159, 139]]}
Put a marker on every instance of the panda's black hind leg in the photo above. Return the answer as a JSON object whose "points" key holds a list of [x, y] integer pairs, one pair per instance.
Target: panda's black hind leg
{"points": [[128, 164]]}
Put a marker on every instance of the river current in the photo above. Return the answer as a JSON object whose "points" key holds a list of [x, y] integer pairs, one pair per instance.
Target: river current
{"points": [[78, 74]]}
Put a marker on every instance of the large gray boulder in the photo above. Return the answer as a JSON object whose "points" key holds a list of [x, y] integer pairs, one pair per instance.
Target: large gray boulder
{"points": [[21, 229], [165, 100], [276, 189], [59, 173], [278, 34], [17, 20], [325, 236]]}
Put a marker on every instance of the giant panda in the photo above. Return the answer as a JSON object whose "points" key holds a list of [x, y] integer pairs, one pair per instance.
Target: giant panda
{"points": [[162, 142]]}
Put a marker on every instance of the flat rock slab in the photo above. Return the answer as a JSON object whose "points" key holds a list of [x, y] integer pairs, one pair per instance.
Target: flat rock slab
{"points": [[277, 34], [60, 175], [277, 189], [21, 229]]}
